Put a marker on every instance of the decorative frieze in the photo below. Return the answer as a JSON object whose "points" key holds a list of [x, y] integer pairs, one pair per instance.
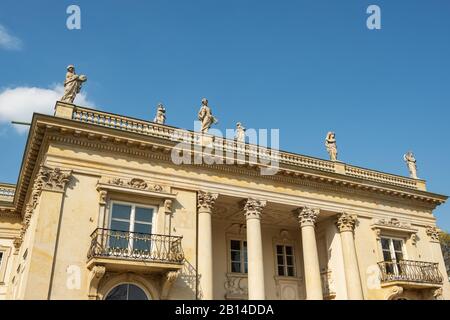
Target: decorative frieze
{"points": [[346, 222], [136, 183], [253, 208], [393, 222], [206, 200], [433, 233], [307, 216]]}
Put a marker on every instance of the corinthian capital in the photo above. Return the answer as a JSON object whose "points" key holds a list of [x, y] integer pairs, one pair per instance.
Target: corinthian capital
{"points": [[433, 233], [206, 200], [346, 222], [53, 178], [307, 216], [253, 208]]}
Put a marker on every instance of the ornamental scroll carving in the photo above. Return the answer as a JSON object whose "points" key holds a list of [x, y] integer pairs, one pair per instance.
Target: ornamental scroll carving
{"points": [[307, 216], [253, 208], [136, 183], [346, 222]]}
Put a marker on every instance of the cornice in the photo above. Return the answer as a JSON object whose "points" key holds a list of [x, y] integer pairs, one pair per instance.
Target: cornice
{"points": [[95, 137]]}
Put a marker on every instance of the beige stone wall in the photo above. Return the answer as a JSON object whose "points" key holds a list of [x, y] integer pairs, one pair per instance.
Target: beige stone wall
{"points": [[49, 264]]}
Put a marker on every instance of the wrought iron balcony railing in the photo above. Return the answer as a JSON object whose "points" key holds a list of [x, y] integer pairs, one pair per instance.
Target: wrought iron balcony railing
{"points": [[410, 271], [136, 246]]}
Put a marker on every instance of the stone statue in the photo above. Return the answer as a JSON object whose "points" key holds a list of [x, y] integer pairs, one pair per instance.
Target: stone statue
{"points": [[411, 163], [160, 114], [330, 143], [240, 133], [205, 116], [72, 85]]}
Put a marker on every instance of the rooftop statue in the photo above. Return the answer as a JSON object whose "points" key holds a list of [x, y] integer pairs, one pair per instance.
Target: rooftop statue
{"points": [[330, 143], [160, 114], [411, 163], [72, 84], [240, 133], [206, 117]]}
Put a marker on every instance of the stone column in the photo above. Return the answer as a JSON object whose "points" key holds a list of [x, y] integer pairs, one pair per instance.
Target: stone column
{"points": [[205, 202], [252, 211], [307, 219], [346, 225]]}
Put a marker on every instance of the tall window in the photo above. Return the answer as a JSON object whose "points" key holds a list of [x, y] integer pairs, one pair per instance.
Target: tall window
{"points": [[1, 258], [392, 253], [238, 256], [131, 225], [285, 260]]}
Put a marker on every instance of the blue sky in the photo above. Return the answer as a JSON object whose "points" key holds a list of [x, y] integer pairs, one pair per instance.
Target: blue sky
{"points": [[305, 67]]}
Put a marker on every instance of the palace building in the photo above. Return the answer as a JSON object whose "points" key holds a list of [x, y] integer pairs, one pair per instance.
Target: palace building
{"points": [[101, 211]]}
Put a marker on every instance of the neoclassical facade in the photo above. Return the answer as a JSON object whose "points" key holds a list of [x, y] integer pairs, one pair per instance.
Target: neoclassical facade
{"points": [[101, 211]]}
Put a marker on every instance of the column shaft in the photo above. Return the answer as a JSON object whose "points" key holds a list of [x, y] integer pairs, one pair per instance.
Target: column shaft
{"points": [[256, 290], [307, 218], [346, 225], [252, 211], [313, 281], [205, 251]]}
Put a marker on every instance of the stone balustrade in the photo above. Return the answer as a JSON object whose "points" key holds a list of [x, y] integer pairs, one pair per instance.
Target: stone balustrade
{"points": [[249, 151]]}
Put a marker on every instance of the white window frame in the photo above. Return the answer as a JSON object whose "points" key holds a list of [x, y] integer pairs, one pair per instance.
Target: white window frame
{"points": [[133, 213], [391, 247], [132, 217], [392, 251], [294, 265], [243, 262]]}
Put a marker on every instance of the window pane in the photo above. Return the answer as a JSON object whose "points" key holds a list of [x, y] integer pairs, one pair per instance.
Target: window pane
{"points": [[143, 214], [136, 293], [236, 267], [235, 256], [281, 271], [289, 250], [245, 268], [289, 260], [121, 211], [279, 249], [142, 228], [397, 245], [290, 271], [280, 260], [385, 243], [387, 255], [120, 225], [118, 293], [398, 255], [235, 245]]}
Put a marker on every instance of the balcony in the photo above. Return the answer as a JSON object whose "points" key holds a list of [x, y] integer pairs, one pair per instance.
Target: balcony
{"points": [[410, 273], [132, 251]]}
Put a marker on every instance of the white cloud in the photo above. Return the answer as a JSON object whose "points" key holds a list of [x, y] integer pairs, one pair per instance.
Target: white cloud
{"points": [[8, 41], [18, 104]]}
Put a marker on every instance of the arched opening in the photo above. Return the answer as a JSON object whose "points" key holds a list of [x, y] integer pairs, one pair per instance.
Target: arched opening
{"points": [[127, 291]]}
